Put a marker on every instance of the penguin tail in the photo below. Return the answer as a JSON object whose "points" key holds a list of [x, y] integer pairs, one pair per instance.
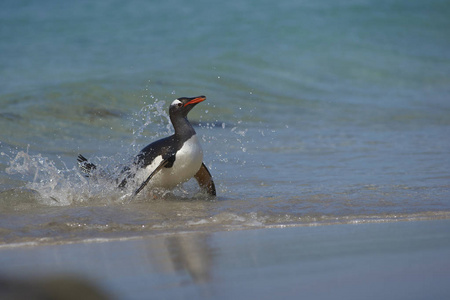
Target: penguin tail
{"points": [[85, 166]]}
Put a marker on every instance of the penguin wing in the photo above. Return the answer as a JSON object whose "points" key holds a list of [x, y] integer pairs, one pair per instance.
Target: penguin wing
{"points": [[165, 148], [205, 180], [164, 163], [146, 156]]}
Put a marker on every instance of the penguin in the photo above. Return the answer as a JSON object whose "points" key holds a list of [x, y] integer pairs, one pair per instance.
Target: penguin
{"points": [[170, 161]]}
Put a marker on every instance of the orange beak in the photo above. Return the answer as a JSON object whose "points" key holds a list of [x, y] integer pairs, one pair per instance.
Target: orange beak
{"points": [[196, 100]]}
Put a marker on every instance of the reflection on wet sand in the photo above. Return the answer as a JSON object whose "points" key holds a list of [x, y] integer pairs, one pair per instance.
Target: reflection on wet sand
{"points": [[156, 264], [190, 254]]}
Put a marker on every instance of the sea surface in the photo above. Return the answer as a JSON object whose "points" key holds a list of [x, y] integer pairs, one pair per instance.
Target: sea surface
{"points": [[317, 112]]}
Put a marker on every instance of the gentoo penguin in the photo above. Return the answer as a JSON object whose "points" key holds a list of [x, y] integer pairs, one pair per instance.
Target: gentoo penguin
{"points": [[169, 161]]}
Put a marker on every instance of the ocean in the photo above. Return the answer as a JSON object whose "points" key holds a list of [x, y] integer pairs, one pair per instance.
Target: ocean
{"points": [[317, 114]]}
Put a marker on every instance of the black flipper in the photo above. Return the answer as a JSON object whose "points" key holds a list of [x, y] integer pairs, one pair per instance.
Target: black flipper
{"points": [[168, 162], [205, 180], [85, 166]]}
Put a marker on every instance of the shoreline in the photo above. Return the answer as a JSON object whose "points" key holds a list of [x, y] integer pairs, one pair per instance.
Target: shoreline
{"points": [[123, 237], [390, 260]]}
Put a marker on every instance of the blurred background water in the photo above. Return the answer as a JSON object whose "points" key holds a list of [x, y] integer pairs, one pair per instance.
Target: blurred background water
{"points": [[316, 113]]}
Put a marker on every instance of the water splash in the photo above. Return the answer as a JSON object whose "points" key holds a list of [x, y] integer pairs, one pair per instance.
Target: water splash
{"points": [[58, 185], [152, 114], [55, 186]]}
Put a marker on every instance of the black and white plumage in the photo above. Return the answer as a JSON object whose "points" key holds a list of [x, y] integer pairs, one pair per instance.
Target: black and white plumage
{"points": [[169, 161]]}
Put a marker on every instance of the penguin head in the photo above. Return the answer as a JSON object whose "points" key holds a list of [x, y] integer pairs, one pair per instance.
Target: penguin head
{"points": [[182, 106]]}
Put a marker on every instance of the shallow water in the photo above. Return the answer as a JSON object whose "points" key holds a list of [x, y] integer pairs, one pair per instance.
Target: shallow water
{"points": [[318, 113]]}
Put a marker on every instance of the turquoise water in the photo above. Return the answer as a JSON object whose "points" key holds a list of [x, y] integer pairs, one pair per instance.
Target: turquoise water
{"points": [[316, 113]]}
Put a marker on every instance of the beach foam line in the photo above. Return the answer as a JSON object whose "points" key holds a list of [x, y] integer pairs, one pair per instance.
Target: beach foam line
{"points": [[233, 222]]}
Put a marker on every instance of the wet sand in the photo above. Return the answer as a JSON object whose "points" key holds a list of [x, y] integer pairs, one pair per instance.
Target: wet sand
{"points": [[399, 260]]}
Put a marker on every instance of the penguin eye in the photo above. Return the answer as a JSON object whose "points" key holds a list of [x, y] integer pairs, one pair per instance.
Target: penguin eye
{"points": [[180, 104]]}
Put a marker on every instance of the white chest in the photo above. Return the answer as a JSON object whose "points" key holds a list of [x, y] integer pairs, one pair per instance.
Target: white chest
{"points": [[188, 161]]}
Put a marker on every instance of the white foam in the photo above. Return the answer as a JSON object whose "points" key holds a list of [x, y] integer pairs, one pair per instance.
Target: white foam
{"points": [[59, 186]]}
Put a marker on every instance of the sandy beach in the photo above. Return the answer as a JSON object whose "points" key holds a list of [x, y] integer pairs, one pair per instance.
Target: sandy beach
{"points": [[399, 260]]}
